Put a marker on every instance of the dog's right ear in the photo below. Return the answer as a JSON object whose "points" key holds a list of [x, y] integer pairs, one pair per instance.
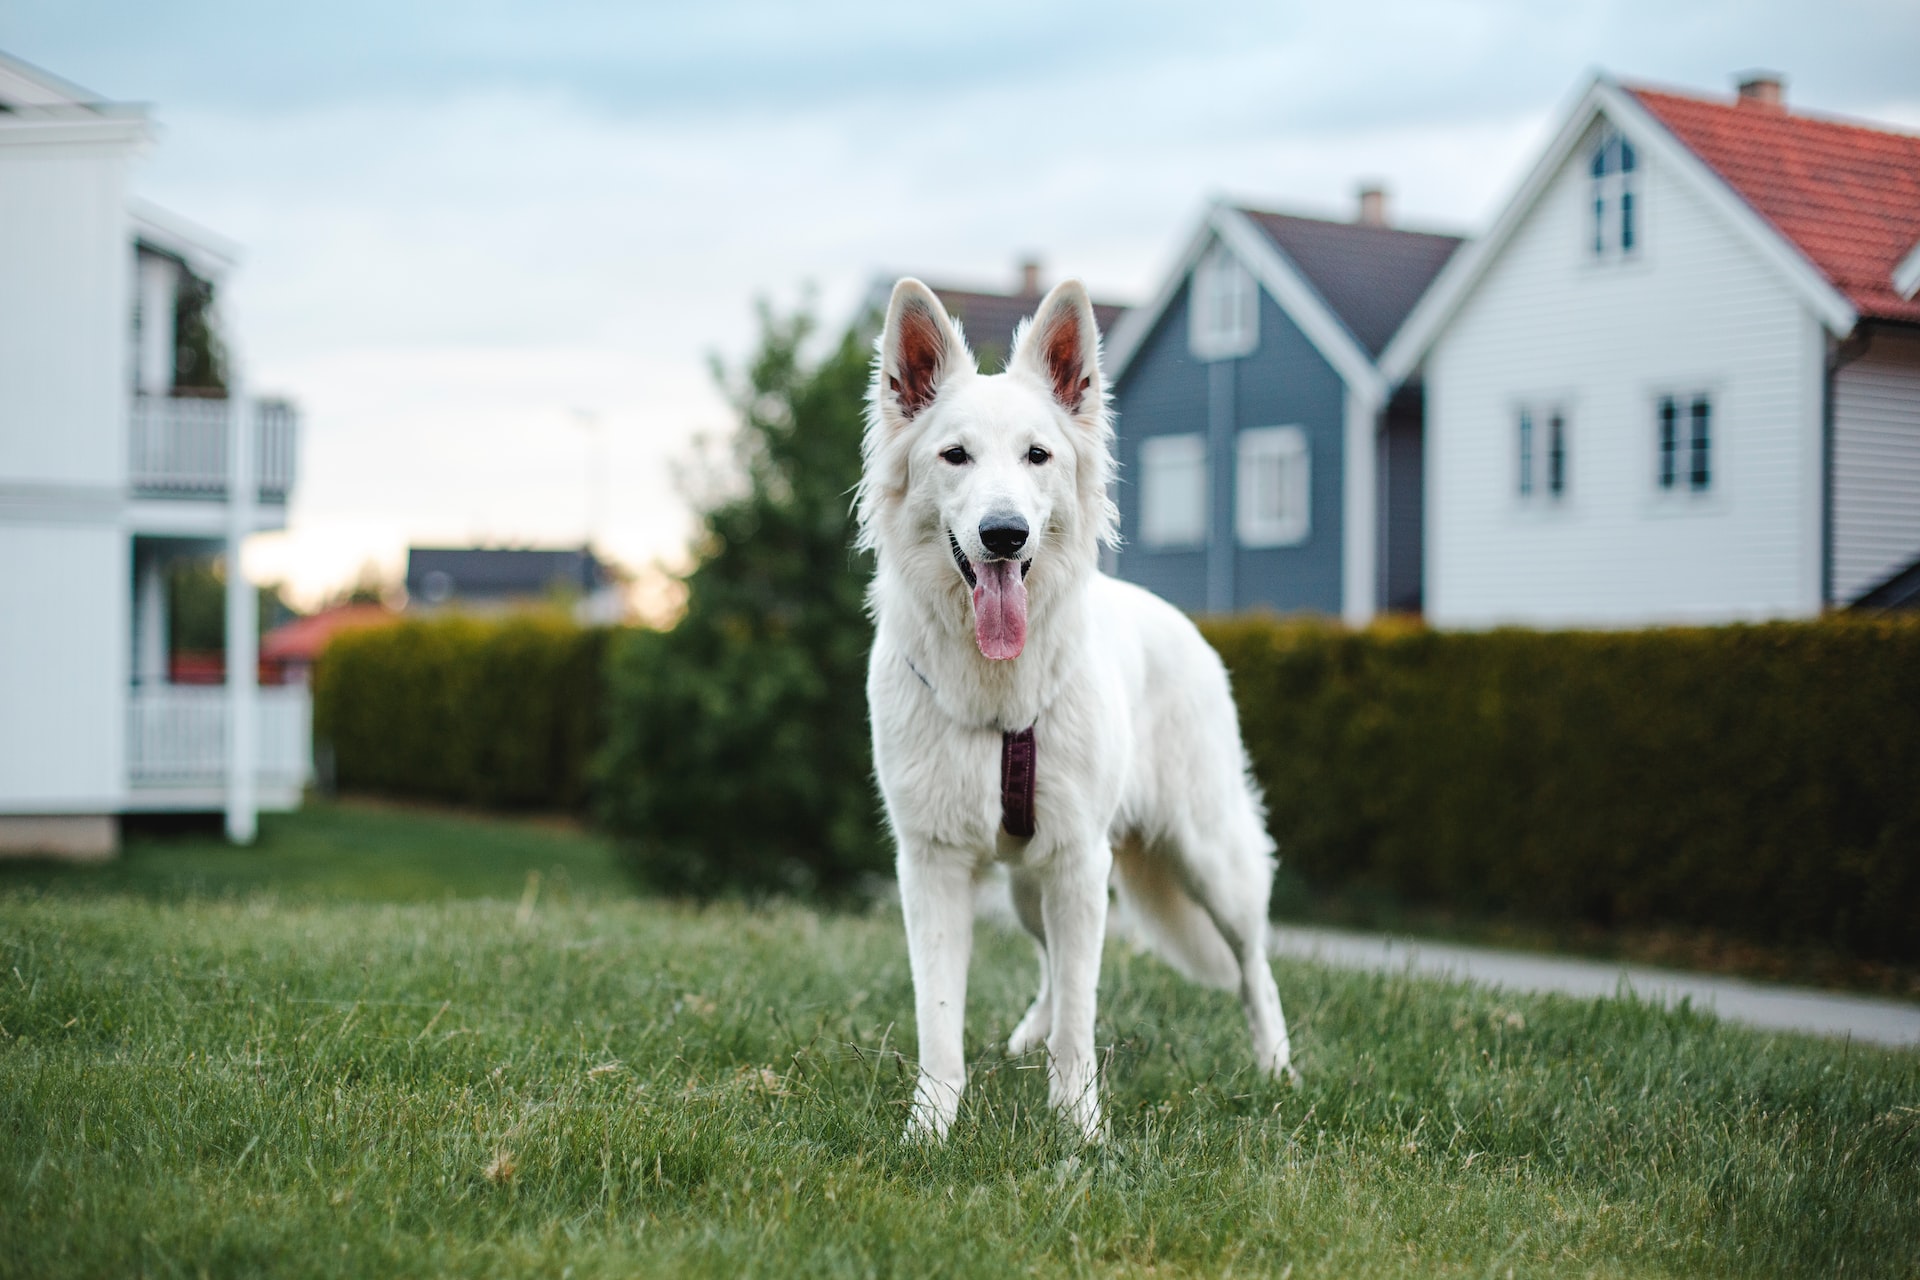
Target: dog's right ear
{"points": [[919, 350]]}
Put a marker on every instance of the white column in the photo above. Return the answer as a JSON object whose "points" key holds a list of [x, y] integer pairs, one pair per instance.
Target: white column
{"points": [[150, 619], [1359, 545], [243, 607]]}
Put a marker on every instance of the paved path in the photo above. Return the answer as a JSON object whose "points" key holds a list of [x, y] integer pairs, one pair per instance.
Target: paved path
{"points": [[1774, 1008], [1771, 1007]]}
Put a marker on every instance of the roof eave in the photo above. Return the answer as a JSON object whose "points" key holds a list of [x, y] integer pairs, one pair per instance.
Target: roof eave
{"points": [[210, 254]]}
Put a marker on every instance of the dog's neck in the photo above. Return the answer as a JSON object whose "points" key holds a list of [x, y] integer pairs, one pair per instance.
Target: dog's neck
{"points": [[927, 614]]}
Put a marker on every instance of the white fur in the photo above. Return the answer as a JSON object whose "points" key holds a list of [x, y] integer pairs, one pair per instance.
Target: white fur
{"points": [[1142, 779]]}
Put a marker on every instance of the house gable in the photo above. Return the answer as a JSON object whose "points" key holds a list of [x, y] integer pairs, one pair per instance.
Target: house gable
{"points": [[1285, 382], [1604, 102], [1555, 332]]}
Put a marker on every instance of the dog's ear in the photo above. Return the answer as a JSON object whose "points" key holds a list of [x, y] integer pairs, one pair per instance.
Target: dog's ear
{"points": [[1061, 346], [919, 350]]}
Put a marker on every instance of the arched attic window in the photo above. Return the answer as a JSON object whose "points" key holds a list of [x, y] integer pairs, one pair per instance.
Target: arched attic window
{"points": [[1615, 169]]}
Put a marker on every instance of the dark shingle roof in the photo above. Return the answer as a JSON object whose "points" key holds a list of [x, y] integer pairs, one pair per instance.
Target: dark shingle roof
{"points": [[1369, 276], [989, 318], [498, 573]]}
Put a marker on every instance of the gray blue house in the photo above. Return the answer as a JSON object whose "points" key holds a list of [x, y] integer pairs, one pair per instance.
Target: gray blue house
{"points": [[1262, 460]]}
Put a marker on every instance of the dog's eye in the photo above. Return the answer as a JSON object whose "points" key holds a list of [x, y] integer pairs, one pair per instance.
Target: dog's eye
{"points": [[955, 456], [1037, 455]]}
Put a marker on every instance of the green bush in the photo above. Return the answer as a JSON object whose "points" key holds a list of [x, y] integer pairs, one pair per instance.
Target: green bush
{"points": [[1760, 780], [502, 713], [737, 752]]}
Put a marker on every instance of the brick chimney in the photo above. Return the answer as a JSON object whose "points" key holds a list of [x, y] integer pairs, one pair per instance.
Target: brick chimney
{"points": [[1373, 205], [1763, 89], [1029, 277]]}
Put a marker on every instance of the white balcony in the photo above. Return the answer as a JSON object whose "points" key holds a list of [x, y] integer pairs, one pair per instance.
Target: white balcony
{"points": [[178, 447], [177, 745]]}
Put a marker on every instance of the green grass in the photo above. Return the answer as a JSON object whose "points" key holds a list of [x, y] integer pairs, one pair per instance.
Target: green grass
{"points": [[208, 1069]]}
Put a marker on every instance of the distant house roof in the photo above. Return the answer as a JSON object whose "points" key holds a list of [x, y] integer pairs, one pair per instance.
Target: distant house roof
{"points": [[1369, 276], [1846, 195], [302, 639], [990, 318], [438, 574]]}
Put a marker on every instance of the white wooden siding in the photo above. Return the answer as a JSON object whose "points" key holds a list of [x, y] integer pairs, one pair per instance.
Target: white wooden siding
{"points": [[65, 277], [1693, 311], [1876, 464], [64, 654]]}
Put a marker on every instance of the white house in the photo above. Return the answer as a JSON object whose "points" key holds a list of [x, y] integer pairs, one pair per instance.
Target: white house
{"points": [[125, 446], [1679, 379]]}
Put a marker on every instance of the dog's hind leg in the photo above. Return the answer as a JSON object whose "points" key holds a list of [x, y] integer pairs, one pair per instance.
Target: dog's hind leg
{"points": [[1239, 912], [1038, 1022]]}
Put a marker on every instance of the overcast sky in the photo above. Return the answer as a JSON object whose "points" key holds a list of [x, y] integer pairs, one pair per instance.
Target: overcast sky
{"points": [[467, 239]]}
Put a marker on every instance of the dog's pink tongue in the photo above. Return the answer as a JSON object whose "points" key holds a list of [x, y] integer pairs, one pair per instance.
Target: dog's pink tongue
{"points": [[1000, 609]]}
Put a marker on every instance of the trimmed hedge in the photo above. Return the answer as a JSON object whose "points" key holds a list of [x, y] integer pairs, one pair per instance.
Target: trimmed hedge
{"points": [[1760, 780], [501, 713]]}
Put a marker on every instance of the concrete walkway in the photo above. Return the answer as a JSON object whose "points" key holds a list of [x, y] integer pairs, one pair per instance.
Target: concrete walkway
{"points": [[1772, 1008]]}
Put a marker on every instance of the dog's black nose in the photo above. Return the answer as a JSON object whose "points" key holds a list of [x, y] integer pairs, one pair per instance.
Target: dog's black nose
{"points": [[1003, 535]]}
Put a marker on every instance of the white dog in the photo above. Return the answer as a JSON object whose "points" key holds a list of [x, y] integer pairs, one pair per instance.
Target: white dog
{"points": [[1029, 709]]}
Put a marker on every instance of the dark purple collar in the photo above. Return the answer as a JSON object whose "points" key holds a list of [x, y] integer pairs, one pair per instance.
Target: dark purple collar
{"points": [[1018, 759]]}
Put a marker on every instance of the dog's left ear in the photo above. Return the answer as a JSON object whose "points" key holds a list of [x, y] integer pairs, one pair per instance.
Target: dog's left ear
{"points": [[1061, 346]]}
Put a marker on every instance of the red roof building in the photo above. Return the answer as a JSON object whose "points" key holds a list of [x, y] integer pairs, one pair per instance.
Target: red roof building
{"points": [[1678, 380], [1846, 195]]}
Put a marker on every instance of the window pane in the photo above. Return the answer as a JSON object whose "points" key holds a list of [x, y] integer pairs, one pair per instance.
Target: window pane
{"points": [[1271, 489], [1626, 156], [1526, 453], [1599, 224], [1669, 442], [1173, 491], [1626, 221], [1557, 455], [1700, 475]]}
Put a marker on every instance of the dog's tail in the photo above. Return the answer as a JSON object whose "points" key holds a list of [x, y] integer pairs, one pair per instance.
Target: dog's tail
{"points": [[1156, 906]]}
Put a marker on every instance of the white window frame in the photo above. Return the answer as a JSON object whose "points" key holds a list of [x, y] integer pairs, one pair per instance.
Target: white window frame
{"points": [[1536, 442], [1273, 487], [1685, 456], [1609, 196], [1173, 491], [1223, 316]]}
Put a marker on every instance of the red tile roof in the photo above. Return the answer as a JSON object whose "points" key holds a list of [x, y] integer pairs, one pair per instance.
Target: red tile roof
{"points": [[1847, 194], [302, 639]]}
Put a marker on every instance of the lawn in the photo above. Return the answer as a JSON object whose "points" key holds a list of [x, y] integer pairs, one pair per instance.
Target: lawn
{"points": [[375, 1046]]}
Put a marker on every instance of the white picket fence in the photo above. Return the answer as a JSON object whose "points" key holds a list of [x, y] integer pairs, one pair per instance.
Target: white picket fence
{"points": [[178, 446], [177, 736]]}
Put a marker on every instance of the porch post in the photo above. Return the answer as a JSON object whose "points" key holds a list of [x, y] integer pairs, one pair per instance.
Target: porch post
{"points": [[243, 627]]}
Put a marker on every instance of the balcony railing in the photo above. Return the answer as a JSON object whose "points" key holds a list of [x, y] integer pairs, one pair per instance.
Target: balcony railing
{"points": [[177, 736], [178, 447]]}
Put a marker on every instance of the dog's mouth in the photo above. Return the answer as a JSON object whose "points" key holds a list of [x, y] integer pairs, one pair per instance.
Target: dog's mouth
{"points": [[999, 601]]}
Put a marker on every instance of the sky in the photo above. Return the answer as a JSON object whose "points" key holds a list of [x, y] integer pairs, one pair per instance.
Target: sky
{"points": [[493, 249]]}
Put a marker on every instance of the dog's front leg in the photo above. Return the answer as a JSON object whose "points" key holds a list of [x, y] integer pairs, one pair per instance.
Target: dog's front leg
{"points": [[1074, 906], [936, 895]]}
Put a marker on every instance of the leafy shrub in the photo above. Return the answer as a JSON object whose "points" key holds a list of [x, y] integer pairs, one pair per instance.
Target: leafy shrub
{"points": [[737, 752], [503, 713], [1760, 780]]}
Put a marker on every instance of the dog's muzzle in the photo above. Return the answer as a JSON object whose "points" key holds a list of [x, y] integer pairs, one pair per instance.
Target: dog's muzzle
{"points": [[966, 566]]}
